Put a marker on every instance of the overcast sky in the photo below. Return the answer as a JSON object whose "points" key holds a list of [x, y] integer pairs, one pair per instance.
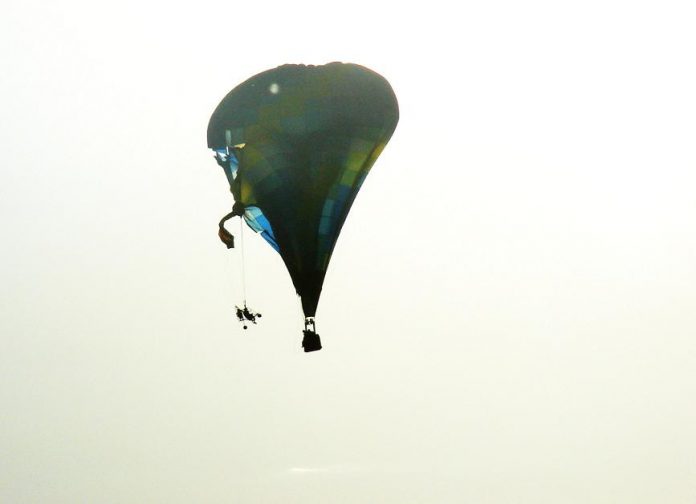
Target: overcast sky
{"points": [[509, 312]]}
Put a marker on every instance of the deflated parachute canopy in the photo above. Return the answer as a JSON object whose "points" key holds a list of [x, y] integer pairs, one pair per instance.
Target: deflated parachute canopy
{"points": [[296, 144]]}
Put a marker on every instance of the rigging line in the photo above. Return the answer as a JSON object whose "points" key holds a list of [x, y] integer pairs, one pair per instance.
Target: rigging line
{"points": [[233, 273], [241, 237]]}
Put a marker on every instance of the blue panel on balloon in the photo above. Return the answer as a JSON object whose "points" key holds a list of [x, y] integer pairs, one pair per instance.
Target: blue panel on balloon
{"points": [[229, 163], [257, 221]]}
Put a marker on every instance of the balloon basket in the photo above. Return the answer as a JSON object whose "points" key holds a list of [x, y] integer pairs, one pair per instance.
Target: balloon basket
{"points": [[311, 341]]}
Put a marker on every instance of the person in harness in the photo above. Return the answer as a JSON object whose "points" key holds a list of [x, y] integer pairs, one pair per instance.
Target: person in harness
{"points": [[244, 314]]}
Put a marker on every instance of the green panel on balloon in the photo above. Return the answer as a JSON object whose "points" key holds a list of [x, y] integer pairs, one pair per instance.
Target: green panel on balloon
{"points": [[304, 138]]}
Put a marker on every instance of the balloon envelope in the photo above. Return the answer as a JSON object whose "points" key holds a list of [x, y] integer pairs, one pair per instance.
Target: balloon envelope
{"points": [[296, 143]]}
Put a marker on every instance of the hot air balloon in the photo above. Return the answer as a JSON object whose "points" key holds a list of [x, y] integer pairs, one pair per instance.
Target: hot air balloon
{"points": [[296, 143]]}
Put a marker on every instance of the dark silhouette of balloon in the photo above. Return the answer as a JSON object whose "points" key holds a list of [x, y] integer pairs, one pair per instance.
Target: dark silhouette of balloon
{"points": [[296, 143]]}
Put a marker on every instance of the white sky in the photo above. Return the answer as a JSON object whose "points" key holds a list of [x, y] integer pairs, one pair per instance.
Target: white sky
{"points": [[509, 313]]}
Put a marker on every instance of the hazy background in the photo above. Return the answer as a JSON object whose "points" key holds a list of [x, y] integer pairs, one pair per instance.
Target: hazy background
{"points": [[509, 312]]}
